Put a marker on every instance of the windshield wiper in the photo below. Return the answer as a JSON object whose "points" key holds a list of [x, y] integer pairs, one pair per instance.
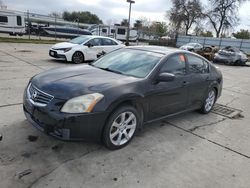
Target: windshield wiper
{"points": [[110, 70]]}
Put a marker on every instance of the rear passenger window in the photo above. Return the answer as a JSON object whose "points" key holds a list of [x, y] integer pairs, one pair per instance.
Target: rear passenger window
{"points": [[95, 42], [197, 65], [19, 20], [108, 42], [3, 19], [175, 64], [104, 30], [121, 31]]}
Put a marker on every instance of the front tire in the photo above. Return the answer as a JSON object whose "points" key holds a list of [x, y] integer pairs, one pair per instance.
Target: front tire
{"points": [[209, 102], [78, 57], [237, 63], [121, 127]]}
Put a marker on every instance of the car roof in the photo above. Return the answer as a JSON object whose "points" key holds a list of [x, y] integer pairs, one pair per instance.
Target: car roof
{"points": [[103, 37], [97, 36], [156, 49], [192, 43]]}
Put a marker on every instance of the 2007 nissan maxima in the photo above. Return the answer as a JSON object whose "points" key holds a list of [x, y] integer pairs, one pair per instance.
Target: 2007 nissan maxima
{"points": [[112, 98]]}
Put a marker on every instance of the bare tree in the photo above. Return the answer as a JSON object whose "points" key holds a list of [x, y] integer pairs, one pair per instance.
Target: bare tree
{"points": [[223, 14], [124, 22], [185, 13]]}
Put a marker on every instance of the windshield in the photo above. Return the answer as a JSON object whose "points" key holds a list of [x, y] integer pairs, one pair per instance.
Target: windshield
{"points": [[79, 40], [129, 62]]}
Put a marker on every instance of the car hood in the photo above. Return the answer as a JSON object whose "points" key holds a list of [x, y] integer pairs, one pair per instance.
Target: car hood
{"points": [[63, 45], [69, 82]]}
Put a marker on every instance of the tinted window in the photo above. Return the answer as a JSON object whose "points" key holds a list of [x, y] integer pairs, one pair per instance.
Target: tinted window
{"points": [[4, 19], [108, 42], [112, 31], [104, 30], [19, 20], [197, 65], [121, 31], [175, 64], [130, 62], [96, 42]]}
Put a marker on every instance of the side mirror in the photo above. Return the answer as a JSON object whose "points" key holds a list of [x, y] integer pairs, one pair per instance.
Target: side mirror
{"points": [[165, 77], [90, 45]]}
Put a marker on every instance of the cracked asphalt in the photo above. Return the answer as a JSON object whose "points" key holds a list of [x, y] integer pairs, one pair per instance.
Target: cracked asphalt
{"points": [[189, 150]]}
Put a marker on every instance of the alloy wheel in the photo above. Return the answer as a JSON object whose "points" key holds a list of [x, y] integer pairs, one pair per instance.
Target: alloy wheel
{"points": [[78, 57], [210, 100], [123, 128]]}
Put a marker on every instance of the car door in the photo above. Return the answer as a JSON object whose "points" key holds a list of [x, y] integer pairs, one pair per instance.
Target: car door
{"points": [[199, 71], [170, 97], [109, 45], [95, 47]]}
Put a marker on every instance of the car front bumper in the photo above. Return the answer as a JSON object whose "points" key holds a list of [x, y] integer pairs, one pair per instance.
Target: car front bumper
{"points": [[55, 54], [87, 126], [59, 54]]}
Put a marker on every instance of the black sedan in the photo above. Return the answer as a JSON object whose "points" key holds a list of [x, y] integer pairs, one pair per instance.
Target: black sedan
{"points": [[112, 98]]}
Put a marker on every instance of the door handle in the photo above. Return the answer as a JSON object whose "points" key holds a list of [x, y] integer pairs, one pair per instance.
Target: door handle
{"points": [[185, 83]]}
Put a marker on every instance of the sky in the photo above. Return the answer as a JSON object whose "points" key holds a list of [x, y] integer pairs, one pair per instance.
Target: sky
{"points": [[111, 11]]}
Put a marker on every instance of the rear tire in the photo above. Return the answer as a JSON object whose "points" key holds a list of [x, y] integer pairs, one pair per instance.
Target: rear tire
{"points": [[121, 127], [78, 57], [209, 102]]}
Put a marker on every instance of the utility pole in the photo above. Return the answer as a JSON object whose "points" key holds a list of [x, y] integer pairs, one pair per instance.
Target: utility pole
{"points": [[128, 31], [55, 27], [78, 27], [29, 23]]}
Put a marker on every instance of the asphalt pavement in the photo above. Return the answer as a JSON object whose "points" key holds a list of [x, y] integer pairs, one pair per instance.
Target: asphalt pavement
{"points": [[189, 150]]}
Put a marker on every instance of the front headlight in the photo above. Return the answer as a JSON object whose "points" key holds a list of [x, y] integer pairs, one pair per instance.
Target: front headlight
{"points": [[66, 49], [81, 104]]}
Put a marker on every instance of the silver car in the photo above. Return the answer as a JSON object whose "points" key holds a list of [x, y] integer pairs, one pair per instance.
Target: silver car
{"points": [[230, 55], [192, 47]]}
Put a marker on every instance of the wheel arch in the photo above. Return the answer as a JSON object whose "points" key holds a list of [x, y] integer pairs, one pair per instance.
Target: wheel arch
{"points": [[79, 52], [132, 101]]}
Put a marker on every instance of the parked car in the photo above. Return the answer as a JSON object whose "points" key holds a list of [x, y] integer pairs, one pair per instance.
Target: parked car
{"points": [[84, 48], [112, 98], [230, 55], [208, 52], [192, 47]]}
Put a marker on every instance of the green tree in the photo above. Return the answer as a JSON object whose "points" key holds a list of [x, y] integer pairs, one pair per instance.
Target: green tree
{"points": [[83, 17], [159, 28], [206, 34], [242, 34], [138, 24], [124, 22]]}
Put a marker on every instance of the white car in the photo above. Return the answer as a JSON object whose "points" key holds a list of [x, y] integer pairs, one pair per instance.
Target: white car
{"points": [[84, 48], [193, 47]]}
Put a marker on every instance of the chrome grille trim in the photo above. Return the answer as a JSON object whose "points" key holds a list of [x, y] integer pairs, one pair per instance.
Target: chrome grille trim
{"points": [[38, 97]]}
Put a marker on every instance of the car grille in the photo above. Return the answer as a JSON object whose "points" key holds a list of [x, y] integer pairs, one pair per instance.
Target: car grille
{"points": [[38, 97]]}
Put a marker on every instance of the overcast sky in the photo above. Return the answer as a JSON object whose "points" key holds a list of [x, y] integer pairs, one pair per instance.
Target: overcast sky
{"points": [[114, 10]]}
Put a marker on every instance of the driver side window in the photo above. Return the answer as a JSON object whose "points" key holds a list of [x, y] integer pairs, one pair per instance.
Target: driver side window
{"points": [[95, 42], [175, 64]]}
